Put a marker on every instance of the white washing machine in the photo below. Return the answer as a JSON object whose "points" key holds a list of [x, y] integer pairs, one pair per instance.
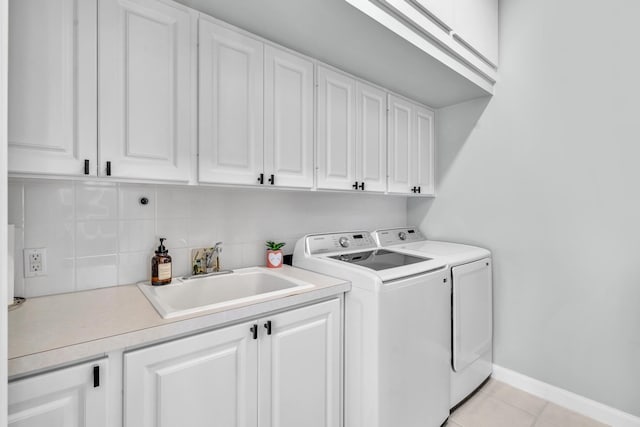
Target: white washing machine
{"points": [[397, 329], [471, 303]]}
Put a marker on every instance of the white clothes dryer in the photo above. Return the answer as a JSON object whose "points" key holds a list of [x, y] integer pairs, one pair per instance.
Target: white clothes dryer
{"points": [[471, 304], [397, 329]]}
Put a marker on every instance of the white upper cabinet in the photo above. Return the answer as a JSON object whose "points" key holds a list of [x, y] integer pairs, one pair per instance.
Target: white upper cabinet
{"points": [[424, 151], [411, 148], [231, 106], [476, 26], [371, 138], [69, 397], [52, 89], [352, 134], [336, 131], [146, 86], [288, 125], [462, 35]]}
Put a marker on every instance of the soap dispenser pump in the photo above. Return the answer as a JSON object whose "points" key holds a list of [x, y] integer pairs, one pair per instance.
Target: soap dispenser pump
{"points": [[161, 266]]}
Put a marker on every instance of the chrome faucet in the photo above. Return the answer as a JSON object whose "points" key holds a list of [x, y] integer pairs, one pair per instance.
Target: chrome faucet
{"points": [[217, 249]]}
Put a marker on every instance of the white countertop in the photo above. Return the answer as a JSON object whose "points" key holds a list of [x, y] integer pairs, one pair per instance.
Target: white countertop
{"points": [[59, 329]]}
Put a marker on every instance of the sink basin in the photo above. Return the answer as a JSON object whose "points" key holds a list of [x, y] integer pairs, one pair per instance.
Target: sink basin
{"points": [[195, 295]]}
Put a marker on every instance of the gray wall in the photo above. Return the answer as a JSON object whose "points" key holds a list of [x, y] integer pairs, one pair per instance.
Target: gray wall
{"points": [[547, 175]]}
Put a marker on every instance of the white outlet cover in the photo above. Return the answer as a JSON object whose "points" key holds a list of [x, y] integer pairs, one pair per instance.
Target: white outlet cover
{"points": [[35, 269]]}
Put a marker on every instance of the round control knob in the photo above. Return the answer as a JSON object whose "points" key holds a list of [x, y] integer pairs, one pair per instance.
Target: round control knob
{"points": [[344, 242], [402, 235]]}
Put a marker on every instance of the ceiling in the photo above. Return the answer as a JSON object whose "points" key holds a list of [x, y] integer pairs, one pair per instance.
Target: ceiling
{"points": [[336, 33]]}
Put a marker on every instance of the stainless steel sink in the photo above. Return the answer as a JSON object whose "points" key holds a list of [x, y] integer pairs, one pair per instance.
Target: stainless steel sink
{"points": [[247, 285]]}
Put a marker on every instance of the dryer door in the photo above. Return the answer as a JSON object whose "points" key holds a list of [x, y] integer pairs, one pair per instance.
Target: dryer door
{"points": [[472, 312]]}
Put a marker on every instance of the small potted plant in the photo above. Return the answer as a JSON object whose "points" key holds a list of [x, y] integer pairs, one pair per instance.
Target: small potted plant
{"points": [[274, 254]]}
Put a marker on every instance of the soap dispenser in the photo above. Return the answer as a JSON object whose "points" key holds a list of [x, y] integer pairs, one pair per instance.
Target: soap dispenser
{"points": [[161, 266]]}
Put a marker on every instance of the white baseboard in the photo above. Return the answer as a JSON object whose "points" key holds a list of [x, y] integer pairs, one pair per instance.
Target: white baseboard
{"points": [[582, 405]]}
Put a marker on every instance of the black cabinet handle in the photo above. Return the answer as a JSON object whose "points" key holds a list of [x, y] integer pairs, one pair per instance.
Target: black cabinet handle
{"points": [[362, 186], [418, 190], [96, 376], [86, 166], [268, 326], [272, 180], [108, 168], [413, 190], [261, 179], [355, 186], [254, 331]]}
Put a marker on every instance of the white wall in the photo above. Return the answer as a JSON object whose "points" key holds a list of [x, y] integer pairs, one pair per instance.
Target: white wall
{"points": [[3, 208], [549, 180], [98, 234]]}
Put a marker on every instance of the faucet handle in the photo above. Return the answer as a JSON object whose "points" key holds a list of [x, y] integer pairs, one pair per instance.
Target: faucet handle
{"points": [[217, 247]]}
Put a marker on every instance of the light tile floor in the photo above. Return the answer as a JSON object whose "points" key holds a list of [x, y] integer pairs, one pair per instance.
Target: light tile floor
{"points": [[497, 404]]}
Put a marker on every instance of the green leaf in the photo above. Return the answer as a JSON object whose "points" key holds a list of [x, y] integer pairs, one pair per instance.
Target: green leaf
{"points": [[274, 246]]}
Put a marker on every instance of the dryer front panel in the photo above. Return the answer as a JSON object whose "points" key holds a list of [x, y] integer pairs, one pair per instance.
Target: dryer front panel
{"points": [[472, 312]]}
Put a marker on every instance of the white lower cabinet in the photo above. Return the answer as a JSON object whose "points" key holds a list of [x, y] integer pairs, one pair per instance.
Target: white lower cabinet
{"points": [[202, 380], [69, 397], [299, 368], [279, 371]]}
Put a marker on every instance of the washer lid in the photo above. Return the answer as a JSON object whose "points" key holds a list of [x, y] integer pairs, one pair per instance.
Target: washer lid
{"points": [[380, 259]]}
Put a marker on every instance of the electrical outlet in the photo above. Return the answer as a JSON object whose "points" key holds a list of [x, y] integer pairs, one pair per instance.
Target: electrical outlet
{"points": [[35, 262]]}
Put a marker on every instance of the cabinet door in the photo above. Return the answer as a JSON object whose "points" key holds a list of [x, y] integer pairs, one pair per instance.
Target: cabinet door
{"points": [[401, 145], [231, 106], [424, 170], [476, 25], [52, 90], [371, 137], [288, 126], [336, 130], [63, 398], [300, 368], [146, 66], [203, 380]]}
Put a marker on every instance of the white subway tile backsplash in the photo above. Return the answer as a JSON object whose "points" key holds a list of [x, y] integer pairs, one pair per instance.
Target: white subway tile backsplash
{"points": [[98, 234], [136, 235], [15, 203], [96, 238], [173, 202], [253, 254], [56, 238], [174, 230], [204, 232], [96, 201], [96, 272], [60, 278], [134, 267], [18, 269], [129, 206], [180, 262], [48, 202]]}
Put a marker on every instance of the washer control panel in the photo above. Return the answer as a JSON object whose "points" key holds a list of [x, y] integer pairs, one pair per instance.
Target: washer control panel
{"points": [[340, 242], [395, 236]]}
